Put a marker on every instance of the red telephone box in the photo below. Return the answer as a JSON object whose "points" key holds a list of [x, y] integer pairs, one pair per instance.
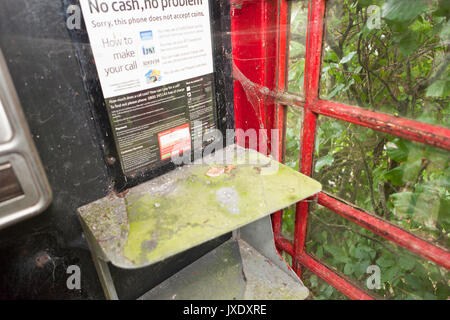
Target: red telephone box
{"points": [[96, 172], [261, 34]]}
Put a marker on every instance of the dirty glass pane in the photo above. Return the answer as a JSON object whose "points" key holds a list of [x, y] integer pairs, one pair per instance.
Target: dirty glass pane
{"points": [[294, 122], [365, 257], [297, 46], [390, 56], [294, 116], [402, 181]]}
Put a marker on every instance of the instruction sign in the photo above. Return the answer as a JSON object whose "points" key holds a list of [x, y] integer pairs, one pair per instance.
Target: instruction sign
{"points": [[155, 65]]}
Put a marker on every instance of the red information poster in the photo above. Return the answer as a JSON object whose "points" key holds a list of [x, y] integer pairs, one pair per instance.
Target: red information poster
{"points": [[174, 141]]}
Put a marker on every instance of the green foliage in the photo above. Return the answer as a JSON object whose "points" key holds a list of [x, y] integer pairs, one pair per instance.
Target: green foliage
{"points": [[401, 68], [403, 10]]}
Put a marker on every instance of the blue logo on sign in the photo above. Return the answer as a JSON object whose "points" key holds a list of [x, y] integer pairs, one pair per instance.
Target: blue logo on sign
{"points": [[147, 35], [148, 50], [153, 76]]}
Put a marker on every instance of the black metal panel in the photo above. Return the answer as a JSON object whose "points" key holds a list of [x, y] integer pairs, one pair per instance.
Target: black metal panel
{"points": [[58, 100], [46, 74]]}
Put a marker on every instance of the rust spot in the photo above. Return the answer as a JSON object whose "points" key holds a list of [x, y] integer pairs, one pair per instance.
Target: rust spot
{"points": [[258, 169], [230, 168], [123, 194]]}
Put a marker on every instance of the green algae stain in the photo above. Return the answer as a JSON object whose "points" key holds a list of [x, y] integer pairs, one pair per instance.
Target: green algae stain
{"points": [[161, 226]]}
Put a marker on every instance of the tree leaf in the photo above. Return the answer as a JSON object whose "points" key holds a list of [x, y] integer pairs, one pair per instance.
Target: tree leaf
{"points": [[335, 91], [436, 89], [395, 176], [398, 150], [324, 161], [360, 253], [403, 10], [408, 44], [347, 58]]}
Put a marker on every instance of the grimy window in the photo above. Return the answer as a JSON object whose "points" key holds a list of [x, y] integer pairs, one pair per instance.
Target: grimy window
{"points": [[362, 93]]}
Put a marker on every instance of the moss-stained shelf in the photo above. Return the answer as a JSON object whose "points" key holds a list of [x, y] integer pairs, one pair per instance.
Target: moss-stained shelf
{"points": [[191, 205]]}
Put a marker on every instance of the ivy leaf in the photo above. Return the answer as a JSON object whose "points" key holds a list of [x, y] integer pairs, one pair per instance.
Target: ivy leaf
{"points": [[390, 274], [337, 253], [348, 269], [407, 263], [413, 281], [403, 10], [360, 253], [385, 262]]}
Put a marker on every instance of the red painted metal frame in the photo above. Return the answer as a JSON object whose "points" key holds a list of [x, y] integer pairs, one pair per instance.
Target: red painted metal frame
{"points": [[259, 36], [249, 57], [387, 230], [312, 76], [282, 62], [325, 273], [259, 41], [401, 127], [404, 128]]}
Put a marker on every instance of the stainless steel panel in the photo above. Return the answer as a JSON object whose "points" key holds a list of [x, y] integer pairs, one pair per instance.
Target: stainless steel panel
{"points": [[9, 184], [18, 156], [5, 128]]}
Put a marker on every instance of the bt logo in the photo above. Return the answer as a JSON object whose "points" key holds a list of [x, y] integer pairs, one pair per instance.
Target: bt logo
{"points": [[148, 50]]}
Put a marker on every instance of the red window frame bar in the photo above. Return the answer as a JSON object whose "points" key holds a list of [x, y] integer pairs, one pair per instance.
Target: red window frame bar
{"points": [[260, 38]]}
